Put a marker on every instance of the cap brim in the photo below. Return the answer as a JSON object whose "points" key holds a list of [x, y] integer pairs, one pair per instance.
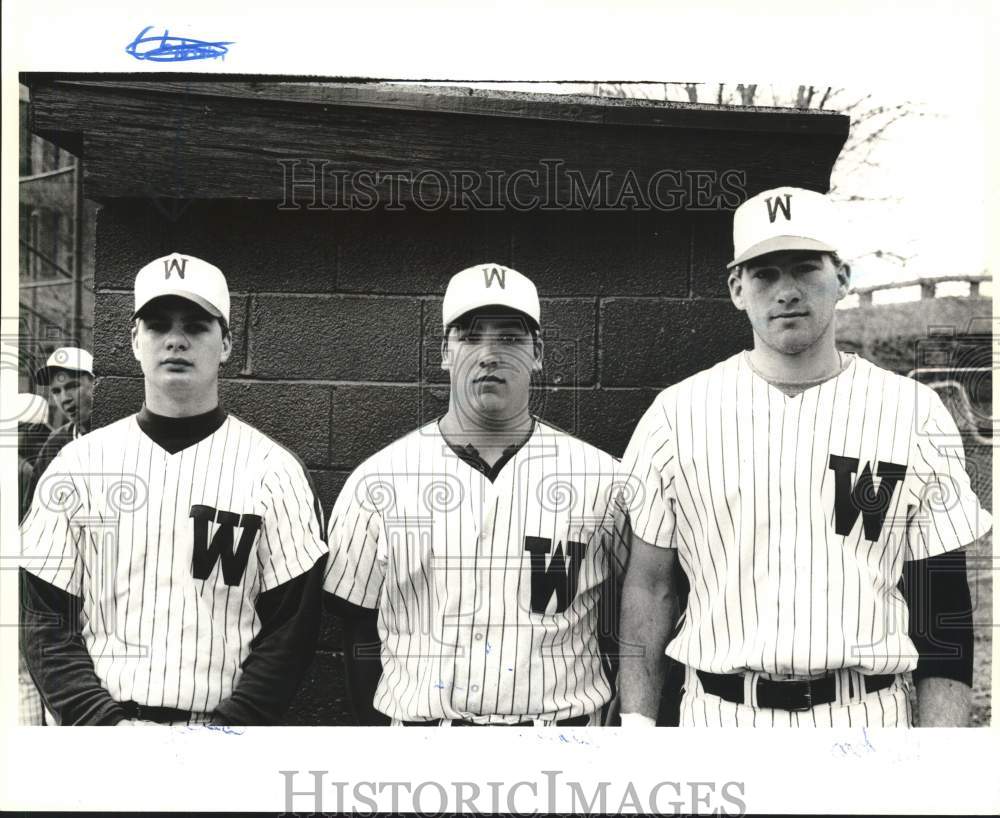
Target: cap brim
{"points": [[485, 308], [779, 243], [194, 299], [44, 374]]}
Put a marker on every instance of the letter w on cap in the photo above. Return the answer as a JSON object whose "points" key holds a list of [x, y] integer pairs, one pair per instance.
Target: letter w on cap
{"points": [[495, 274], [172, 264], [775, 204]]}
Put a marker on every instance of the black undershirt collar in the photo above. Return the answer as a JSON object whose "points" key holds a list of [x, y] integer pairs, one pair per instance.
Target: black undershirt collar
{"points": [[470, 454], [174, 434]]}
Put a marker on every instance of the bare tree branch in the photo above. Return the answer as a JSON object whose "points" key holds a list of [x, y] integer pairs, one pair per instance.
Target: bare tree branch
{"points": [[848, 109]]}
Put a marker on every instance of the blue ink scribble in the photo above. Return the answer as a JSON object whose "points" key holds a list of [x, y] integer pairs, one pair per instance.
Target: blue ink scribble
{"points": [[164, 48], [226, 729], [439, 685], [489, 648], [847, 748], [562, 738]]}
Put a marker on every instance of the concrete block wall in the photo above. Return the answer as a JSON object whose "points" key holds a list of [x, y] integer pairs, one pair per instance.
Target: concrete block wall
{"points": [[336, 319]]}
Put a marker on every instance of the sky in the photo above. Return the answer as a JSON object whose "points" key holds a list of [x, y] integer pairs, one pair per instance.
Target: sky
{"points": [[934, 166]]}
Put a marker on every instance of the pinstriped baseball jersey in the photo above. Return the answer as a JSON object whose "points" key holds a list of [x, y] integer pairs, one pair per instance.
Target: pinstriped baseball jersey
{"points": [[792, 516], [487, 592], [170, 551]]}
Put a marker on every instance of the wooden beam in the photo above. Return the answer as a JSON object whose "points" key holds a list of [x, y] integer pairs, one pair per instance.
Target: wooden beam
{"points": [[974, 279], [474, 102], [242, 140]]}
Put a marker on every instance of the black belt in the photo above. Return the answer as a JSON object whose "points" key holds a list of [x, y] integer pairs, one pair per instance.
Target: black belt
{"points": [[792, 694], [576, 721], [146, 712]]}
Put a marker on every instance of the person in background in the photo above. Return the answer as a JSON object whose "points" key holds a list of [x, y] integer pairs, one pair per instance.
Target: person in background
{"points": [[32, 431], [69, 374]]}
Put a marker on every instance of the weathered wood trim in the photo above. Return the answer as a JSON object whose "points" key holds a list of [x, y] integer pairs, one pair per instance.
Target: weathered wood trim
{"points": [[209, 140], [476, 102]]}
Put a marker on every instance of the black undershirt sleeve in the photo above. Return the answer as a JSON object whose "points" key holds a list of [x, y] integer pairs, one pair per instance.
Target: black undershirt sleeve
{"points": [[362, 657], [46, 455], [281, 652], [937, 595], [57, 658]]}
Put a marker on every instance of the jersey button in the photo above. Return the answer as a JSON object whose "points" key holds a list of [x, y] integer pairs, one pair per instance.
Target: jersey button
{"points": [[479, 637], [474, 688]]}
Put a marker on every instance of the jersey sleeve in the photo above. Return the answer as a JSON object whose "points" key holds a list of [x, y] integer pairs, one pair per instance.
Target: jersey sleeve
{"points": [[945, 512], [647, 478], [292, 535], [619, 535], [52, 531], [356, 570]]}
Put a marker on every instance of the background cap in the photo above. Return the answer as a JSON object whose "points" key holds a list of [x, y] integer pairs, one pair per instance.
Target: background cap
{"points": [[785, 218], [187, 277], [72, 359], [32, 408], [489, 285]]}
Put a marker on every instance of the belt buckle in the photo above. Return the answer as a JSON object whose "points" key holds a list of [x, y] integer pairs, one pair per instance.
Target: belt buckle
{"points": [[808, 705]]}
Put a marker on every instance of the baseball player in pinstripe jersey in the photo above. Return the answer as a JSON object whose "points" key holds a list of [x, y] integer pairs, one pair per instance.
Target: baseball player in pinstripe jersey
{"points": [[69, 374], [793, 485], [483, 540], [172, 560]]}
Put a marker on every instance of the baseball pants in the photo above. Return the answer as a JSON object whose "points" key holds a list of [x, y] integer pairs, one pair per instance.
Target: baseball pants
{"points": [[889, 707]]}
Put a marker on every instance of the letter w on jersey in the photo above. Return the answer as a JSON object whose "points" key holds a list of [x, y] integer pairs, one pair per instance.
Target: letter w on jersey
{"points": [[206, 554], [559, 578], [863, 498]]}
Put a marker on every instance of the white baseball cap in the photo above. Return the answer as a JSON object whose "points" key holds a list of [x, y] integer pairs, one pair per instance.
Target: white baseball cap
{"points": [[187, 277], [72, 359], [785, 218], [489, 285], [32, 408]]}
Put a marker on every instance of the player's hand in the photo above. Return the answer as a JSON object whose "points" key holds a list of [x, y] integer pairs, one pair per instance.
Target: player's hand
{"points": [[637, 720], [137, 723]]}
